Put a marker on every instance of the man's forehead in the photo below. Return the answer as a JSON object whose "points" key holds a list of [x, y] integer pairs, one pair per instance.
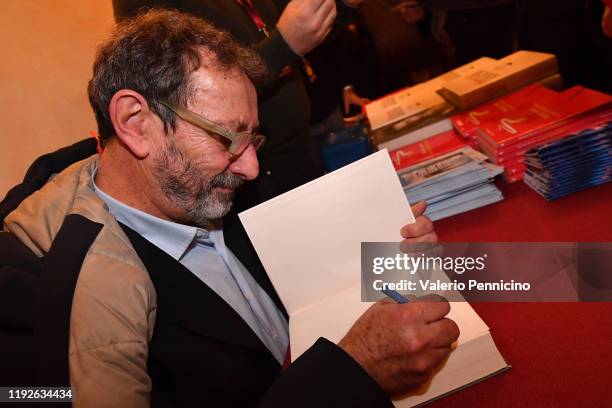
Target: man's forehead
{"points": [[211, 69], [207, 79], [224, 95]]}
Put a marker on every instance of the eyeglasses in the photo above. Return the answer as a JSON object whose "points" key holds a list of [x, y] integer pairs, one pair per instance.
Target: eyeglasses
{"points": [[235, 142]]}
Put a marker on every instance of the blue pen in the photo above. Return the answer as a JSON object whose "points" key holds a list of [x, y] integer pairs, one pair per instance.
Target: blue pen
{"points": [[395, 295]]}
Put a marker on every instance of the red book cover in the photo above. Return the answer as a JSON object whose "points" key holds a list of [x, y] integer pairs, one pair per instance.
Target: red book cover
{"points": [[542, 115], [503, 155], [426, 149], [468, 122]]}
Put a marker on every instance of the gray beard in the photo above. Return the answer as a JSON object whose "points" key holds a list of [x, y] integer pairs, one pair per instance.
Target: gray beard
{"points": [[182, 183]]}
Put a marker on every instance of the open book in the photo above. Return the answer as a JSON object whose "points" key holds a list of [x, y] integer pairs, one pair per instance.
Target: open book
{"points": [[309, 241]]}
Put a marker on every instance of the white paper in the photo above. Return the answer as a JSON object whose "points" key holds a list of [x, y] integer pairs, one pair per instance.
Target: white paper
{"points": [[309, 239]]}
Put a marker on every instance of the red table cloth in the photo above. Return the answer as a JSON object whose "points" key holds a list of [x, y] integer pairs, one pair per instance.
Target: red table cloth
{"points": [[561, 353]]}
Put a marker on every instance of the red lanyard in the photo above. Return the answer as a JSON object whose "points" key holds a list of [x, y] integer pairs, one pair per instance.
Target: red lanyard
{"points": [[250, 9]]}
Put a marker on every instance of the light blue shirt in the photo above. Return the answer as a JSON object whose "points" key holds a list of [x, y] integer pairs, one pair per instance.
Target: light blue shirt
{"points": [[204, 253]]}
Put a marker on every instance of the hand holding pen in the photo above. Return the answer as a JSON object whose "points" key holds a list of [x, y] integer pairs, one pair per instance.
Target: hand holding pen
{"points": [[400, 345]]}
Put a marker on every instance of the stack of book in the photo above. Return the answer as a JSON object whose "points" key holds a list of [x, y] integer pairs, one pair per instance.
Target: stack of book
{"points": [[508, 127], [411, 109], [451, 183], [571, 164]]}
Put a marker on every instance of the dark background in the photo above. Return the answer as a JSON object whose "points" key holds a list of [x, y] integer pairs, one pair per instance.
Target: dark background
{"points": [[570, 29]]}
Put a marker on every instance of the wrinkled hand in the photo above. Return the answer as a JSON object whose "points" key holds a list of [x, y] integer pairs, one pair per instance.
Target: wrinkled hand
{"points": [[422, 230], [400, 345], [305, 23]]}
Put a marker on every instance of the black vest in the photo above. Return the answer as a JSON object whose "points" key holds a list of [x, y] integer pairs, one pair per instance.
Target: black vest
{"points": [[202, 352]]}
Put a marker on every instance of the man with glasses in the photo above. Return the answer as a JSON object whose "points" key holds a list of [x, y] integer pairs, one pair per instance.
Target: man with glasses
{"points": [[283, 32], [171, 306]]}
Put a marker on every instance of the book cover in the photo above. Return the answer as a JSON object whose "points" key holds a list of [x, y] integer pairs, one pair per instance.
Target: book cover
{"points": [[426, 149], [545, 114], [467, 123]]}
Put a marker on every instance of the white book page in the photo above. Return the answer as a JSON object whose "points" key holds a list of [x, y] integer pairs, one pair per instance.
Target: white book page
{"points": [[468, 364], [474, 356], [309, 239]]}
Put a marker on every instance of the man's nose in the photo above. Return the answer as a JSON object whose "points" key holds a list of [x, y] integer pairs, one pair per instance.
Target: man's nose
{"points": [[246, 165]]}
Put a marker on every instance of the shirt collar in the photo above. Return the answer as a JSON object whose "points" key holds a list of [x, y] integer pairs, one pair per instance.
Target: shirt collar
{"points": [[171, 237]]}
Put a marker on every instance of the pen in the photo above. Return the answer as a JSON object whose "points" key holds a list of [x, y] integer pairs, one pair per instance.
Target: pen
{"points": [[395, 295]]}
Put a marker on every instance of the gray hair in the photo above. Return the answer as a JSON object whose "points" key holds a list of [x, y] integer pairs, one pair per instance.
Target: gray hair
{"points": [[155, 54]]}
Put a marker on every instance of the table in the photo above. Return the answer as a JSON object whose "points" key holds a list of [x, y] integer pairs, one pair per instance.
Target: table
{"points": [[561, 353], [525, 216]]}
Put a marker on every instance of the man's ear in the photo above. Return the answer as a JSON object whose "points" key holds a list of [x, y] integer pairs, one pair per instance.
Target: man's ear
{"points": [[129, 112]]}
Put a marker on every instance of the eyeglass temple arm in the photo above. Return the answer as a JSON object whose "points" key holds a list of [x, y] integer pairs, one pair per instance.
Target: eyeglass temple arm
{"points": [[203, 122]]}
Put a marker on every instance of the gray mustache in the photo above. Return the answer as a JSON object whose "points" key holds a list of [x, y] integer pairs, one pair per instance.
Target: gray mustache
{"points": [[226, 180]]}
